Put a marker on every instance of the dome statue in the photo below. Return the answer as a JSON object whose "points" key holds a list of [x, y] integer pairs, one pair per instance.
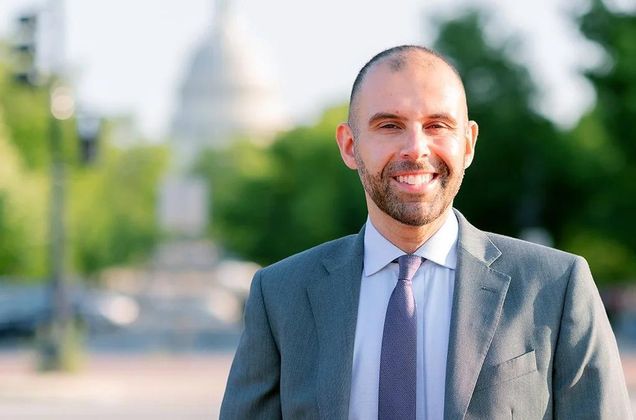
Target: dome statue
{"points": [[227, 92]]}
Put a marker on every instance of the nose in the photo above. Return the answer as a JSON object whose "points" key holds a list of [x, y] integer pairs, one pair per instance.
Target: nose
{"points": [[416, 144]]}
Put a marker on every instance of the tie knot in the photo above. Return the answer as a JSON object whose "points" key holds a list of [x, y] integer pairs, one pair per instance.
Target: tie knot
{"points": [[408, 266]]}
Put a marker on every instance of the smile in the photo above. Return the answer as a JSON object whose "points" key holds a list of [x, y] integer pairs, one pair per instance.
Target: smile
{"points": [[419, 179]]}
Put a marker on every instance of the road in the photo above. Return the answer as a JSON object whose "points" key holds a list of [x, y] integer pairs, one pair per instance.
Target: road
{"points": [[155, 386], [162, 387]]}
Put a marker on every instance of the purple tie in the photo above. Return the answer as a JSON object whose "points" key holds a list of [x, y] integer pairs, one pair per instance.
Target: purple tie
{"points": [[398, 362]]}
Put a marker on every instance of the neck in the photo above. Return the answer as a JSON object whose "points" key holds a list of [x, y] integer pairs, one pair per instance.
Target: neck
{"points": [[407, 238]]}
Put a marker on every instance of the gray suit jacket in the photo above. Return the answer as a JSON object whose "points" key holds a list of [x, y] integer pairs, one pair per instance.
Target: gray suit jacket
{"points": [[529, 337]]}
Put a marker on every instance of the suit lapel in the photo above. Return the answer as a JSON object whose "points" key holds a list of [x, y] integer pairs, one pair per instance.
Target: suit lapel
{"points": [[477, 304], [334, 303]]}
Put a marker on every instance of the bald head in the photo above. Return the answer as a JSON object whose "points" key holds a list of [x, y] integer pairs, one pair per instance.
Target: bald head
{"points": [[395, 59]]}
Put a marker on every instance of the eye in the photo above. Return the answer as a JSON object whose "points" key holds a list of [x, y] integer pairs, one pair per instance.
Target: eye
{"points": [[389, 126], [437, 126]]}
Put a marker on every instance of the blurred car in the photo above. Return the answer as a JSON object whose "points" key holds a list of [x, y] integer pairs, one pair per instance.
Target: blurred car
{"points": [[24, 308]]}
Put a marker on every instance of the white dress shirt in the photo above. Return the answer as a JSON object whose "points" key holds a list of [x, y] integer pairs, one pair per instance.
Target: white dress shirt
{"points": [[433, 286]]}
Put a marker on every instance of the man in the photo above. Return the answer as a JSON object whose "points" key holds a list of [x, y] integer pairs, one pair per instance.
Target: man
{"points": [[475, 325]]}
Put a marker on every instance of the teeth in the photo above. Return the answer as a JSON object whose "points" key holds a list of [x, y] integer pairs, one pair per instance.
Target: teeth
{"points": [[415, 179]]}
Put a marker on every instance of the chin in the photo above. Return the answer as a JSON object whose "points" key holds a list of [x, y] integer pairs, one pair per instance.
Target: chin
{"points": [[415, 220]]}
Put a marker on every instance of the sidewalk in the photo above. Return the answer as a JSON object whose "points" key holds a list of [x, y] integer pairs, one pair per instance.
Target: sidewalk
{"points": [[126, 387], [629, 367], [123, 387]]}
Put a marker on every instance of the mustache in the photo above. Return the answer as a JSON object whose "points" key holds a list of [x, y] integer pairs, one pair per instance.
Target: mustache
{"points": [[408, 165]]}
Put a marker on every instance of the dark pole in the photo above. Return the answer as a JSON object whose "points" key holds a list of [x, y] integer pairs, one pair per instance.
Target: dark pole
{"points": [[58, 344], [56, 352]]}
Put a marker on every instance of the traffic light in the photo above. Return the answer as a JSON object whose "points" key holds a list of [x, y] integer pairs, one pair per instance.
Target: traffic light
{"points": [[88, 130], [25, 49]]}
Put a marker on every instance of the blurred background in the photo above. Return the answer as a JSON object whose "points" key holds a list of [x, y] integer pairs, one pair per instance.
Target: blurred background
{"points": [[155, 154]]}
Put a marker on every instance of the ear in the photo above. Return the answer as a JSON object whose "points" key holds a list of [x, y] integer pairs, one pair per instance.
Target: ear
{"points": [[344, 137], [472, 131]]}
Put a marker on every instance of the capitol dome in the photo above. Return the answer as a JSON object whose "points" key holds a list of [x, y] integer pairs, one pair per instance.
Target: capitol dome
{"points": [[228, 91]]}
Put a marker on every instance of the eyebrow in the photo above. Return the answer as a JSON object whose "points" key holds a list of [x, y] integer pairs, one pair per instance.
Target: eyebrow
{"points": [[443, 116], [379, 116]]}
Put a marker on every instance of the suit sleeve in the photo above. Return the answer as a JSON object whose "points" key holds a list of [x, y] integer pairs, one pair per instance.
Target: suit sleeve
{"points": [[588, 380], [252, 390]]}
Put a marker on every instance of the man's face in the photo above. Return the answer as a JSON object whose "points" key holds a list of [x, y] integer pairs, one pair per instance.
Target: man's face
{"points": [[411, 139]]}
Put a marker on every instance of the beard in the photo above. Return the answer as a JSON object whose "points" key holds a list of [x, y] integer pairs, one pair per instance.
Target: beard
{"points": [[406, 208]]}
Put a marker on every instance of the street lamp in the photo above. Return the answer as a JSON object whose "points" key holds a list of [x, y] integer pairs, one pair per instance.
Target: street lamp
{"points": [[57, 348]]}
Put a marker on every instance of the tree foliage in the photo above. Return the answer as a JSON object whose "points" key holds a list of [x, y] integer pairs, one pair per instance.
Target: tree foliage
{"points": [[578, 184], [110, 205], [112, 214], [516, 171], [270, 202], [22, 214], [602, 227]]}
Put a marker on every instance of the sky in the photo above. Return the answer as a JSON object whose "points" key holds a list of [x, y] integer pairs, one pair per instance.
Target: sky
{"points": [[129, 56]]}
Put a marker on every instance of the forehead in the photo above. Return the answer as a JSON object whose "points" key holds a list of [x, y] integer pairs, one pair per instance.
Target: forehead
{"points": [[419, 83]]}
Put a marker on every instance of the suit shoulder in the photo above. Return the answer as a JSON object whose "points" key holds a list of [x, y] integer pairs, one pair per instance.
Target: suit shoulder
{"points": [[511, 251], [529, 254], [540, 271], [309, 261], [519, 245]]}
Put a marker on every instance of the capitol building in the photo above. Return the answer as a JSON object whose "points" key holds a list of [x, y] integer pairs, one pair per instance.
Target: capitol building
{"points": [[228, 92]]}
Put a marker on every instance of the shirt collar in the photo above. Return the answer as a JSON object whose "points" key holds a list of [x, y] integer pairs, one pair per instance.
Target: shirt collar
{"points": [[440, 248]]}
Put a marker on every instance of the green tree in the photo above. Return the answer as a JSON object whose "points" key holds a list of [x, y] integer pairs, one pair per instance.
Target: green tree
{"points": [[27, 121], [578, 184], [515, 177], [22, 214], [270, 202], [603, 228], [110, 205], [112, 212]]}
